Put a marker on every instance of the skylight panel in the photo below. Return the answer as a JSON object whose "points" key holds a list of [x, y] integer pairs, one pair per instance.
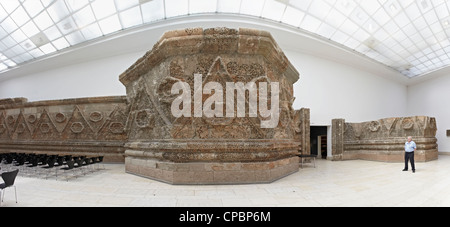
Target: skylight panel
{"points": [[131, 17], [84, 17], [361, 35], [301, 4], [153, 11], [43, 21], [252, 7], [359, 16], [326, 30], [36, 53], [23, 58], [273, 10], [91, 32], [110, 24], [9, 42], [424, 5], [431, 17], [9, 25], [58, 11], [335, 18], [319, 9], [18, 36], [381, 17], [402, 20], [3, 13], [349, 27], [67, 25], [292, 16], [52, 33], [75, 5], [310, 23], [202, 6], [61, 43], [28, 45], [10, 6], [18, 50], [442, 11], [103, 8], [48, 48], [75, 38], [228, 6], [123, 5], [20, 16], [370, 6], [176, 8], [339, 37], [392, 7], [346, 7], [30, 29]]}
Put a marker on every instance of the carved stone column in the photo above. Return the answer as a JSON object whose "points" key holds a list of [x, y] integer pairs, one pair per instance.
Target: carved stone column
{"points": [[338, 129], [302, 130], [193, 148]]}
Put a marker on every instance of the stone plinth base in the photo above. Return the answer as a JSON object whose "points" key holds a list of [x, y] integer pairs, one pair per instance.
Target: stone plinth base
{"points": [[212, 173], [390, 156], [390, 150]]}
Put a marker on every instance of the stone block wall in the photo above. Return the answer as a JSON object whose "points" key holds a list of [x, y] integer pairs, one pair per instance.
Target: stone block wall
{"points": [[85, 126], [384, 139], [160, 144]]}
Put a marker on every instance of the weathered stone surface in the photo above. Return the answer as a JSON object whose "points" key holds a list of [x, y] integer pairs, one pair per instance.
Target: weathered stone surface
{"points": [[303, 130], [141, 130], [225, 145], [89, 126], [384, 140]]}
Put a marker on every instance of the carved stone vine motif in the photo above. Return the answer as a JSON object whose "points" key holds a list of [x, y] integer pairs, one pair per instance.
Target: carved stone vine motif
{"points": [[407, 123], [374, 126]]}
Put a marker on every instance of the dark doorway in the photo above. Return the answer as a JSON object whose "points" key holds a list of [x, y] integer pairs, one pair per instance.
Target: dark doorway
{"points": [[319, 133]]}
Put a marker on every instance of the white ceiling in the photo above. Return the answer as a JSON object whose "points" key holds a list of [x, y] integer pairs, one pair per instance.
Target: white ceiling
{"points": [[409, 36]]}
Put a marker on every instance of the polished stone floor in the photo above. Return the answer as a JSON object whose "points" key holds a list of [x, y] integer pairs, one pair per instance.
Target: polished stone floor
{"points": [[347, 183]]}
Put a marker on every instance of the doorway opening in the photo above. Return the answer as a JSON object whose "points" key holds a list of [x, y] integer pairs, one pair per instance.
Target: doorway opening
{"points": [[319, 141]]}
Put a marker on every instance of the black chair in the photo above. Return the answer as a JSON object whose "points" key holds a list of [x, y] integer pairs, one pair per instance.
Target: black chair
{"points": [[8, 178], [79, 161], [50, 164], [33, 164], [100, 160], [70, 165]]}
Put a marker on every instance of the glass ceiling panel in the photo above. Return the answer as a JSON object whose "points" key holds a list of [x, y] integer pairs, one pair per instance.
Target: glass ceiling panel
{"points": [[410, 36]]}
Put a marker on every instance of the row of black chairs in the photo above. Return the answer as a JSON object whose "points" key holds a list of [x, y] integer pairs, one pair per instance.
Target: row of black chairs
{"points": [[36, 163]]}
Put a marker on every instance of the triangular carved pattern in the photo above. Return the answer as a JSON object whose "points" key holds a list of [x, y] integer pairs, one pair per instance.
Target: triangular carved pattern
{"points": [[144, 121], [113, 127], [4, 132], [21, 130], [45, 128], [78, 127]]}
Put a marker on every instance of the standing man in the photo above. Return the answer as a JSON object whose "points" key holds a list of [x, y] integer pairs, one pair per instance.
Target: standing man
{"points": [[410, 147]]}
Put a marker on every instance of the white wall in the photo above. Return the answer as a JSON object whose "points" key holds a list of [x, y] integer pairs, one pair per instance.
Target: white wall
{"points": [[88, 79], [333, 90], [430, 98]]}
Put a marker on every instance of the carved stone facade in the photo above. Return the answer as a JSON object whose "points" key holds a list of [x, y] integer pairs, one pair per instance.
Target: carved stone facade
{"points": [[303, 130], [142, 130], [208, 150], [384, 140], [90, 127]]}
